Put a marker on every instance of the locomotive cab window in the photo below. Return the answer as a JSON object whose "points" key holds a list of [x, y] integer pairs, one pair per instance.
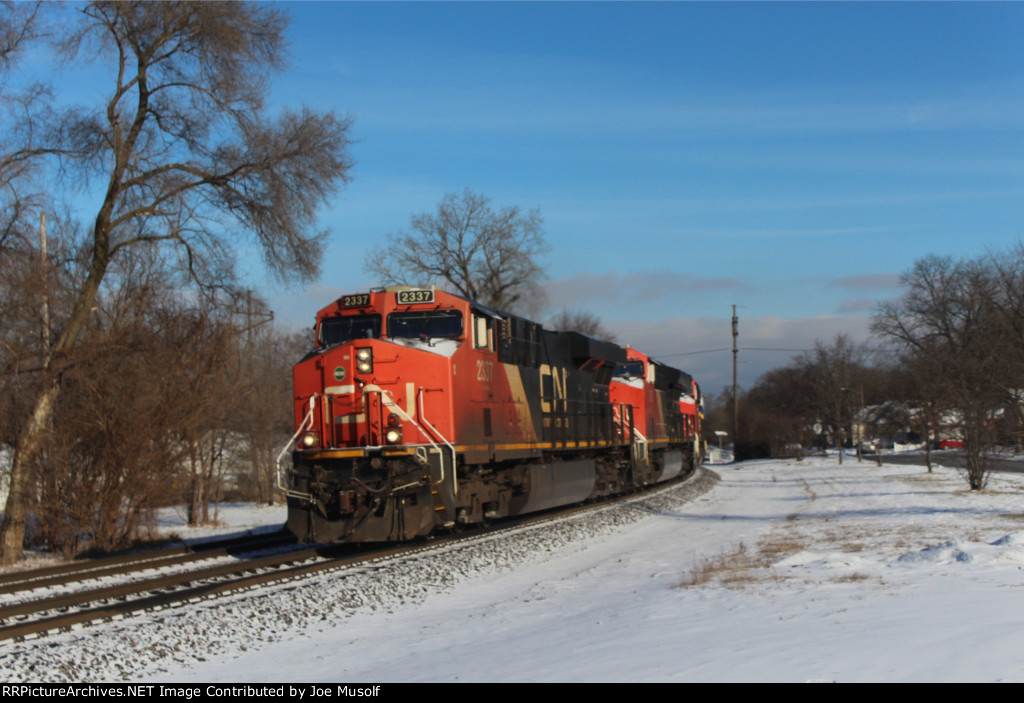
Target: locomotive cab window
{"points": [[632, 369], [425, 324], [336, 330], [483, 332]]}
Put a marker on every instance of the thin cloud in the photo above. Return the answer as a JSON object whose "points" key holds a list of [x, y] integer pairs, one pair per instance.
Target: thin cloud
{"points": [[875, 281], [860, 305], [703, 346], [640, 286]]}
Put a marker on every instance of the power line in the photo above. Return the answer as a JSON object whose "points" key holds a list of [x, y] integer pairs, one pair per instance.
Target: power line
{"points": [[770, 349], [859, 349], [690, 353]]}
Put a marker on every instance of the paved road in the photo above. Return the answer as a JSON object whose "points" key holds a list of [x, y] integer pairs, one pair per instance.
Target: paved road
{"points": [[945, 458]]}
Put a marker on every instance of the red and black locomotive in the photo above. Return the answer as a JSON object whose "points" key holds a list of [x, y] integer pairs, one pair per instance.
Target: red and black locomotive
{"points": [[420, 410]]}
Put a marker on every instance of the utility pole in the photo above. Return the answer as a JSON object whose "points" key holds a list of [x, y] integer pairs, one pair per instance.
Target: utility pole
{"points": [[735, 387], [248, 318], [256, 315], [46, 293]]}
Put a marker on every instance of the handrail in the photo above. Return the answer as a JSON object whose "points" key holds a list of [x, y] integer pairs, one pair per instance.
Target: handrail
{"points": [[391, 404], [306, 422], [642, 443], [455, 458]]}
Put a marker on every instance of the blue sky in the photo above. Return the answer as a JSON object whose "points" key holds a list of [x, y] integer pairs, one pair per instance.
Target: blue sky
{"points": [[788, 158], [791, 159]]}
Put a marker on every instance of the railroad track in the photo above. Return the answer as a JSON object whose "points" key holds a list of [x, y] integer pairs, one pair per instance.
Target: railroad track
{"points": [[78, 571], [42, 613], [35, 612]]}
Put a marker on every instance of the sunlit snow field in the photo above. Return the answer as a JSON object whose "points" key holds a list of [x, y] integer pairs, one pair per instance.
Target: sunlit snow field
{"points": [[782, 571]]}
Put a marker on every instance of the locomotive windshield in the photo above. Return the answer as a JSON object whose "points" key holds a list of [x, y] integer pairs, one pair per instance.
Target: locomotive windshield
{"points": [[425, 324], [629, 369], [335, 330]]}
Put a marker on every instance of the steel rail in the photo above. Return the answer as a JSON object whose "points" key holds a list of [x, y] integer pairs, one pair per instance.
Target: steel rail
{"points": [[273, 573], [140, 561]]}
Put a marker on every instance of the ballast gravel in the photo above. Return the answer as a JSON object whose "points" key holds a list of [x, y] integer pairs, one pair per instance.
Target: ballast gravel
{"points": [[132, 648]]}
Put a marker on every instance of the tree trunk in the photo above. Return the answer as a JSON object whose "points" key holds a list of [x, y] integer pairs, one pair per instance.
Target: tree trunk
{"points": [[30, 440], [12, 533]]}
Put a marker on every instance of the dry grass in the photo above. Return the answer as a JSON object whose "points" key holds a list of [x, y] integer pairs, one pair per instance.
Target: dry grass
{"points": [[714, 567], [808, 490], [772, 549], [825, 536], [740, 566]]}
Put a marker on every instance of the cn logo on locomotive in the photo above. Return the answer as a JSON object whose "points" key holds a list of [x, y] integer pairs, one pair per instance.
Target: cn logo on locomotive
{"points": [[552, 387]]}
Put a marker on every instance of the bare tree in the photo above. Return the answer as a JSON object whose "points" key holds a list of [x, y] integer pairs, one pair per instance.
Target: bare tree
{"points": [[828, 385], [1008, 314], [148, 392], [832, 373], [268, 416], [950, 334], [31, 128], [581, 321], [485, 255], [778, 409], [18, 26], [186, 159], [23, 120]]}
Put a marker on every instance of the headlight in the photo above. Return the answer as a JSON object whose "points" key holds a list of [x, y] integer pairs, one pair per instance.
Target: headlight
{"points": [[310, 440], [364, 360], [393, 433]]}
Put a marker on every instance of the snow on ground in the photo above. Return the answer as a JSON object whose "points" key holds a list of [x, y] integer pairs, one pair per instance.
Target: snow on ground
{"points": [[229, 518], [782, 571]]}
